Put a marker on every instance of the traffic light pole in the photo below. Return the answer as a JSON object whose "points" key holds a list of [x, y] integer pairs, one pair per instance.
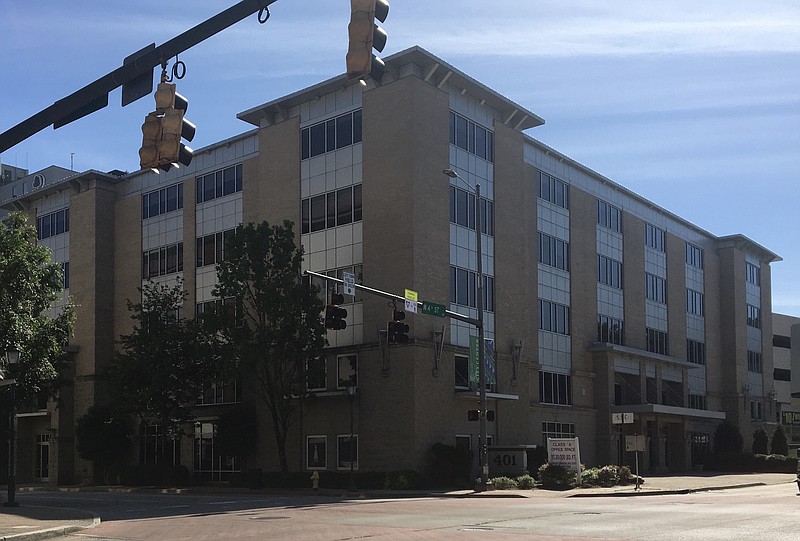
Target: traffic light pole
{"points": [[392, 296], [135, 71]]}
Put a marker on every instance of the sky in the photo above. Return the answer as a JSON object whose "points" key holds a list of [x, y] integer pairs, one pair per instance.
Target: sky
{"points": [[693, 105]]}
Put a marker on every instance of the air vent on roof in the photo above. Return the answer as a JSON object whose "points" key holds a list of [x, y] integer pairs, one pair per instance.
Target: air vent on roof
{"points": [[38, 181]]}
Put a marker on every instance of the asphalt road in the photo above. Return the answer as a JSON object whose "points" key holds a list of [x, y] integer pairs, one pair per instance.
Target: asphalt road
{"points": [[755, 513]]}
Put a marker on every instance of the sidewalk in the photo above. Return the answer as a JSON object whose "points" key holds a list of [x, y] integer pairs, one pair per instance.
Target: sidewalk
{"points": [[26, 523]]}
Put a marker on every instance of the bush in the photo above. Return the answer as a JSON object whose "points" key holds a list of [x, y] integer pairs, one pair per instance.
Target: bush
{"points": [[607, 476], [552, 476], [779, 444], [402, 480], [760, 441], [537, 457], [525, 482], [504, 483], [727, 438]]}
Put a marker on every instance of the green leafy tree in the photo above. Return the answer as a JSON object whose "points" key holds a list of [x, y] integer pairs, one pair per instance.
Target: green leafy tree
{"points": [[30, 285], [278, 327], [760, 441], [237, 433], [160, 369], [779, 444], [103, 436]]}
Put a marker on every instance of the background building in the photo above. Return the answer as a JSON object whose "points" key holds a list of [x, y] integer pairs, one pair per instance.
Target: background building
{"points": [[597, 300]]}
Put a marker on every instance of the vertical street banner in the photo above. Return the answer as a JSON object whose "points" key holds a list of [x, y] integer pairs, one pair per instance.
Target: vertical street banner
{"points": [[488, 360], [473, 359]]}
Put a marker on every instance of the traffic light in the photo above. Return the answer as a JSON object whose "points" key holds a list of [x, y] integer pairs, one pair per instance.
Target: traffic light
{"points": [[366, 35], [334, 314], [398, 331], [163, 129], [473, 415]]}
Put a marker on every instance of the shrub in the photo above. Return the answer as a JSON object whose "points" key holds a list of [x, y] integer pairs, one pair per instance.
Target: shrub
{"points": [[760, 441], [537, 457], [727, 438], [402, 480], [504, 483], [552, 476], [151, 474], [779, 444], [525, 482]]}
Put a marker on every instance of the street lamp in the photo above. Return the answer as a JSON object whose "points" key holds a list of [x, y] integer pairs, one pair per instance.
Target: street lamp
{"points": [[485, 484], [12, 360], [351, 393]]}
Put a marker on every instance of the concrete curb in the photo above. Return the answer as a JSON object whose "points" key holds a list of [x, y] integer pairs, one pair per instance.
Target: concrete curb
{"points": [[662, 492]]}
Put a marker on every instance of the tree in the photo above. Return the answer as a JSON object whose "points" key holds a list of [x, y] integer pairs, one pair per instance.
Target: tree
{"points": [[103, 436], [30, 286], [760, 441], [237, 433], [160, 370], [779, 445], [278, 327]]}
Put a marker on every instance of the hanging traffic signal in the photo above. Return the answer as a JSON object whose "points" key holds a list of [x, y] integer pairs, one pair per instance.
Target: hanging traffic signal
{"points": [[163, 129], [473, 415], [334, 314], [396, 330], [366, 35]]}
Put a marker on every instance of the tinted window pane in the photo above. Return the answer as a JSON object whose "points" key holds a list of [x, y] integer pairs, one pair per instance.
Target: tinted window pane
{"points": [[305, 143], [344, 131], [344, 206], [357, 126], [229, 181], [318, 139], [330, 135], [330, 209], [318, 213], [357, 203]]}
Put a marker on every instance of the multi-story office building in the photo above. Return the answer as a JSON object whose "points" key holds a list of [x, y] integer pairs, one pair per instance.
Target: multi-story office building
{"points": [[786, 358], [597, 300]]}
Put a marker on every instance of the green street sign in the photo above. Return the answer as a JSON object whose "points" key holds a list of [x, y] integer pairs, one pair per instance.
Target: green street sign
{"points": [[433, 309]]}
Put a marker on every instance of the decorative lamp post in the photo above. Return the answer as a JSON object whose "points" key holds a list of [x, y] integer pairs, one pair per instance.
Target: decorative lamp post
{"points": [[351, 393], [12, 360], [485, 484]]}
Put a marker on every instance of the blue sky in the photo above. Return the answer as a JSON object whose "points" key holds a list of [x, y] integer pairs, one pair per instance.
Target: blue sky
{"points": [[694, 105]]}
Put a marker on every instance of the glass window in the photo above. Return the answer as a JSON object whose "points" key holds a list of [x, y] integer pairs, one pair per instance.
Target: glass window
{"points": [[346, 371], [316, 374], [461, 364], [344, 206], [357, 214], [318, 213], [330, 209], [316, 452], [318, 139], [357, 126], [344, 131]]}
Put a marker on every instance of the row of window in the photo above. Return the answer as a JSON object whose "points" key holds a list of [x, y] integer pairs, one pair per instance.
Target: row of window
{"points": [[610, 330], [695, 351], [557, 430], [753, 316], [609, 271], [462, 211], [554, 317], [553, 252], [162, 261], [211, 248], [555, 388], [339, 132], [697, 402], [161, 201], [553, 190], [694, 256], [346, 452], [472, 137], [52, 224], [218, 184], [654, 237], [754, 363], [464, 288], [609, 216], [752, 273], [331, 209], [656, 341], [655, 288], [694, 302], [346, 373]]}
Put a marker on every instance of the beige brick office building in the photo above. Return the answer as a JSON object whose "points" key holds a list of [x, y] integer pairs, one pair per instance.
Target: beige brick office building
{"points": [[597, 300]]}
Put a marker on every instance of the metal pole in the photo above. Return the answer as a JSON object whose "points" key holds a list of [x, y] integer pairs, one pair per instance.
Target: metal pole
{"points": [[484, 451], [352, 482], [12, 451]]}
